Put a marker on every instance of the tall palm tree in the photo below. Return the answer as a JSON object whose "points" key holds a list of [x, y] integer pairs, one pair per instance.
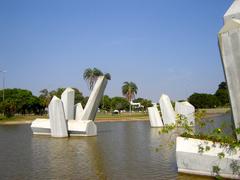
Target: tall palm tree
{"points": [[129, 90], [91, 75], [108, 76]]}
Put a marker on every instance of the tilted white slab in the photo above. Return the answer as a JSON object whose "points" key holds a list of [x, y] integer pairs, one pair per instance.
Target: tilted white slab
{"points": [[57, 118], [233, 12], [95, 98], [67, 98], [189, 160], [78, 111], [168, 114], [154, 117], [229, 44], [186, 109]]}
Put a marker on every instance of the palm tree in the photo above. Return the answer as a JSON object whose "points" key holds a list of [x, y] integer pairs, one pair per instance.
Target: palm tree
{"points": [[129, 90], [91, 75], [108, 76]]}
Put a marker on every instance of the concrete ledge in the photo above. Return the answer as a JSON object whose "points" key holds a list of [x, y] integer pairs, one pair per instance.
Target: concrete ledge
{"points": [[75, 127], [190, 160]]}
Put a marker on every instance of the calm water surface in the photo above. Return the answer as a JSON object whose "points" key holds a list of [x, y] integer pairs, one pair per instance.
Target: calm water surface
{"points": [[122, 150]]}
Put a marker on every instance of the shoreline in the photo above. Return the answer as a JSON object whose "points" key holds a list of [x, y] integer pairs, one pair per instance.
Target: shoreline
{"points": [[19, 122], [211, 113]]}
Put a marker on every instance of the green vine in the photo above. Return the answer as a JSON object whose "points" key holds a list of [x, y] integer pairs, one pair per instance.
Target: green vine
{"points": [[229, 144]]}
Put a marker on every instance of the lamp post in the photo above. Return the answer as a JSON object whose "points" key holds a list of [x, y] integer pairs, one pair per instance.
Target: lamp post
{"points": [[3, 81]]}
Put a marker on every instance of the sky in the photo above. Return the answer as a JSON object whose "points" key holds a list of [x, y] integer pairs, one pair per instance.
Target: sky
{"points": [[162, 46]]}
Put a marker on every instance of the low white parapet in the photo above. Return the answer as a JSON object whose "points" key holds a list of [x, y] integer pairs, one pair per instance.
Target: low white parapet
{"points": [[191, 161], [75, 127], [41, 126], [82, 128], [154, 117]]}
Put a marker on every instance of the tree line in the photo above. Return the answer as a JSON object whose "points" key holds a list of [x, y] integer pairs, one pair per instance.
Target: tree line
{"points": [[219, 99], [22, 101]]}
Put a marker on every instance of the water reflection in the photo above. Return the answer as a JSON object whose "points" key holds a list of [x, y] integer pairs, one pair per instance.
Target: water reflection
{"points": [[77, 157], [124, 150]]}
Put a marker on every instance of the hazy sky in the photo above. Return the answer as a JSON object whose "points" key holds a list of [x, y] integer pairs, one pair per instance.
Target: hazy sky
{"points": [[163, 46]]}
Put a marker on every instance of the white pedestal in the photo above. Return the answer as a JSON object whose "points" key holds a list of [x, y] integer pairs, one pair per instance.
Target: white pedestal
{"points": [[190, 161]]}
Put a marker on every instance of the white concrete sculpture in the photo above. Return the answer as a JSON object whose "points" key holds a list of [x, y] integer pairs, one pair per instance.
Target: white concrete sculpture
{"points": [[41, 126], [57, 118], [62, 121], [67, 98], [82, 128], [91, 108], [189, 159], [186, 109], [78, 111], [154, 117], [56, 125], [229, 44], [233, 12], [168, 114]]}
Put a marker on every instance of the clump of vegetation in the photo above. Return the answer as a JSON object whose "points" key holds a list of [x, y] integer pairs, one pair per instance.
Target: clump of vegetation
{"points": [[219, 99], [229, 144]]}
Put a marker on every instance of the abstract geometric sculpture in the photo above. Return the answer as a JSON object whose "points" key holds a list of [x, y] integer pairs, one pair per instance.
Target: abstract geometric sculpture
{"points": [[168, 114], [187, 110], [90, 110], [229, 44], [78, 109], [58, 122], [61, 114], [154, 117], [67, 98]]}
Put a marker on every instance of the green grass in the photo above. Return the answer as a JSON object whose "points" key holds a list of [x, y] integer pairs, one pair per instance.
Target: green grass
{"points": [[122, 116], [99, 117], [20, 118]]}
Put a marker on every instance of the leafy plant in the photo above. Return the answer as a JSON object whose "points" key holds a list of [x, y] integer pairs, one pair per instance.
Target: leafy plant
{"points": [[228, 143]]}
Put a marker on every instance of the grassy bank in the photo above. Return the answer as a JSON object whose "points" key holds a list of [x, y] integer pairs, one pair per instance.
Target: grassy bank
{"points": [[104, 117], [21, 119]]}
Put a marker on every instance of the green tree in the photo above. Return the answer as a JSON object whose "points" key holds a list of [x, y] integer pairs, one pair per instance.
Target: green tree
{"points": [[119, 103], [91, 75], [223, 85], [22, 100], [8, 108], [58, 92], [129, 90], [203, 100], [222, 94], [45, 97], [105, 103], [78, 95]]}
